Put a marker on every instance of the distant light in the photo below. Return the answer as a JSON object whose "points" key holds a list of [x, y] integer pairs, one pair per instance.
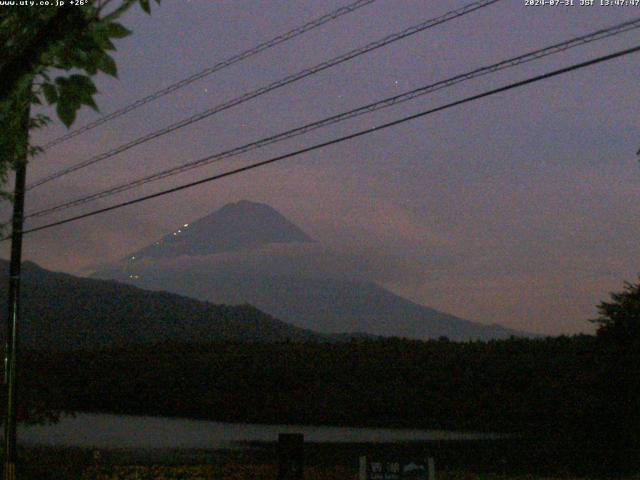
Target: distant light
{"points": [[133, 258], [186, 225]]}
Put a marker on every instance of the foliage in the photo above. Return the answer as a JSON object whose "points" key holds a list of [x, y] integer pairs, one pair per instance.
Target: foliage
{"points": [[551, 391], [48, 55], [493, 386], [53, 463], [619, 320], [548, 392], [618, 374]]}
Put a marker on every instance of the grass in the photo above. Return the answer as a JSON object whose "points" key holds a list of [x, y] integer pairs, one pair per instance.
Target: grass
{"points": [[269, 472], [209, 472], [80, 464]]}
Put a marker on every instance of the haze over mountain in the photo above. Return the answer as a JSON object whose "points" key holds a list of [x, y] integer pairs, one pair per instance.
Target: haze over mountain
{"points": [[249, 253]]}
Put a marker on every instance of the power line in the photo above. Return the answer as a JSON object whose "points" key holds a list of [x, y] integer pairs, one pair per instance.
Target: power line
{"points": [[341, 139], [272, 86], [387, 102], [210, 70]]}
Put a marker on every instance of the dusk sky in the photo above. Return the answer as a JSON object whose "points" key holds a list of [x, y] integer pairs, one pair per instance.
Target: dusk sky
{"points": [[521, 209]]}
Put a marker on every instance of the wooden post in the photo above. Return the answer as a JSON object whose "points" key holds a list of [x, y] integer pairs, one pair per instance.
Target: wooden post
{"points": [[10, 420], [290, 456], [363, 469]]}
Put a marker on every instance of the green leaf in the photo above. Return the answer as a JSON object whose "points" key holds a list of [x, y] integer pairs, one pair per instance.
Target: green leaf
{"points": [[82, 83], [73, 92], [108, 65], [38, 121], [144, 4], [50, 93], [91, 69], [90, 102], [66, 112], [94, 60], [100, 36], [116, 30]]}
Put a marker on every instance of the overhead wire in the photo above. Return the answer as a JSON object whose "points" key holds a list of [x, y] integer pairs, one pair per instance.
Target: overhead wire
{"points": [[344, 138], [270, 87], [333, 15], [381, 104]]}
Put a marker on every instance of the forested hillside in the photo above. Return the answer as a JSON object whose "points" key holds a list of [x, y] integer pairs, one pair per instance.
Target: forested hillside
{"points": [[507, 386], [62, 312]]}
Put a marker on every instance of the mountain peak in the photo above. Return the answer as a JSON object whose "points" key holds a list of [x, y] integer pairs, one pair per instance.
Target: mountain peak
{"points": [[235, 226], [246, 205]]}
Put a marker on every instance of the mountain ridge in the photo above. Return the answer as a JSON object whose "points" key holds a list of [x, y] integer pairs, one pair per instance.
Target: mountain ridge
{"points": [[328, 306], [64, 312]]}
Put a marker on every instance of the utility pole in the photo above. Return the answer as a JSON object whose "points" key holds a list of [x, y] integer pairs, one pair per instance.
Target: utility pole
{"points": [[20, 166]]}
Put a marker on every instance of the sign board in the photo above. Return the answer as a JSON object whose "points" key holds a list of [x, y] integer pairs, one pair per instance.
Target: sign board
{"points": [[394, 469]]}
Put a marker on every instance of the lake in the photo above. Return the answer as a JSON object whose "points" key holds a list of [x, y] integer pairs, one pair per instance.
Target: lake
{"points": [[137, 432]]}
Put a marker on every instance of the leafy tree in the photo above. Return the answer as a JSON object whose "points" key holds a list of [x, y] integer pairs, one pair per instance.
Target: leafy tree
{"points": [[73, 41], [48, 54], [615, 423], [619, 320]]}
